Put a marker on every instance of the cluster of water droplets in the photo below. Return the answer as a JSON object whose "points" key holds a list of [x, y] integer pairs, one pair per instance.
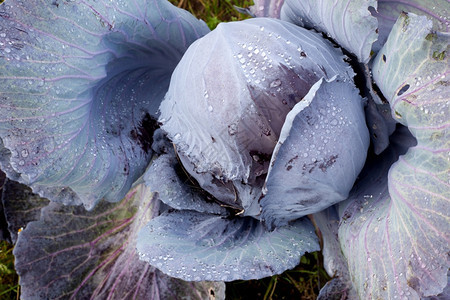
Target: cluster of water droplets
{"points": [[239, 261], [259, 58]]}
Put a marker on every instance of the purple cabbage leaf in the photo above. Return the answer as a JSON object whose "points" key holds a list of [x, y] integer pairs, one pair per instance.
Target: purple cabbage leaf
{"points": [[20, 207], [196, 246], [165, 176], [393, 229], [311, 168], [340, 286], [265, 70], [80, 85], [171, 153], [72, 253], [349, 23]]}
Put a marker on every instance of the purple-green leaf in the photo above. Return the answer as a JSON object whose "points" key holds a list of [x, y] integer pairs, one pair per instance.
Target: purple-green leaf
{"points": [[394, 227], [71, 253], [340, 287], [388, 11]]}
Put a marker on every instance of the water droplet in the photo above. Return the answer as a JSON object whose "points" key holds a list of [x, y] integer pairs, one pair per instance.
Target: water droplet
{"points": [[7, 50], [275, 83], [177, 136], [24, 153], [210, 108]]}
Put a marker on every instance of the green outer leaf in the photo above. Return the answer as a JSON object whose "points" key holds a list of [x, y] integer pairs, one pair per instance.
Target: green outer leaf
{"points": [[412, 72], [349, 22], [402, 237], [389, 10], [71, 253]]}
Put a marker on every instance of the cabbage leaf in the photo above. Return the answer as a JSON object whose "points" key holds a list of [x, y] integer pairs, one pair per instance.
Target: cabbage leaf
{"points": [[405, 209], [311, 168], [349, 23], [73, 253], [195, 246], [167, 177], [388, 11], [228, 128], [80, 85]]}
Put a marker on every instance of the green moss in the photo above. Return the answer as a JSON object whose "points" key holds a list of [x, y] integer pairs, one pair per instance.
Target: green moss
{"points": [[430, 37], [406, 21], [439, 55]]}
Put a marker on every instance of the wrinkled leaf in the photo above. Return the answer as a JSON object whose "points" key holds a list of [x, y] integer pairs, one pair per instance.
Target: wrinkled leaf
{"points": [[321, 150], [80, 85], [349, 23], [194, 246], [389, 10], [175, 188], [394, 227], [411, 70], [229, 127], [239, 196], [71, 253]]}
